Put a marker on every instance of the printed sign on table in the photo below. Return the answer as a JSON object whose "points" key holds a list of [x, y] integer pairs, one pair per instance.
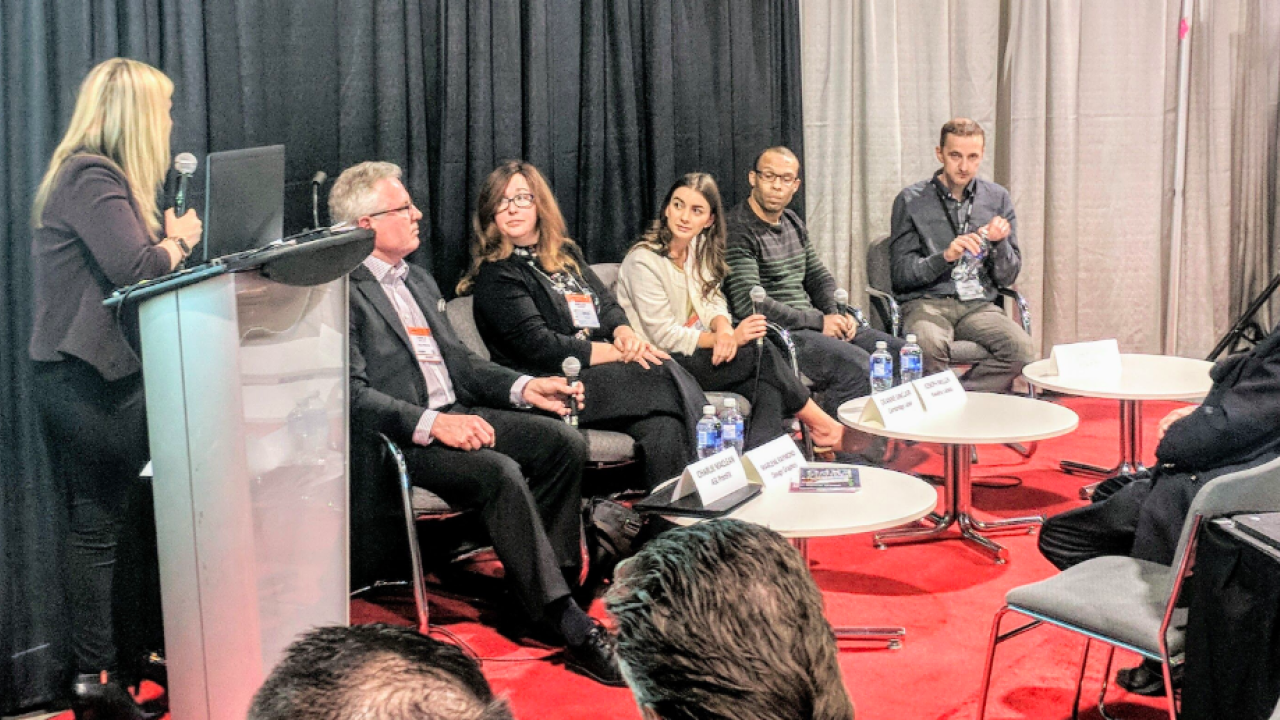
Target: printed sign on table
{"points": [[713, 477], [895, 408], [940, 391], [1086, 359], [776, 462]]}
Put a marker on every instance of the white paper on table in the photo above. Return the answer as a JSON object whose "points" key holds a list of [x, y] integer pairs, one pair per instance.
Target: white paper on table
{"points": [[940, 391], [774, 463], [1086, 359], [895, 408], [712, 477]]}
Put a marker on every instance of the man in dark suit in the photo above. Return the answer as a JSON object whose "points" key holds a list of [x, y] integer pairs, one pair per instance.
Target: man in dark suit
{"points": [[413, 380], [1237, 427]]}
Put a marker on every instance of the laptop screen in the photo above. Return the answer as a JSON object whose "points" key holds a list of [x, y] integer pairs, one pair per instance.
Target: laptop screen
{"points": [[244, 200]]}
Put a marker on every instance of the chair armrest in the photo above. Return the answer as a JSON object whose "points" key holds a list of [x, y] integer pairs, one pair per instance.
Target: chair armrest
{"points": [[1020, 304], [888, 307]]}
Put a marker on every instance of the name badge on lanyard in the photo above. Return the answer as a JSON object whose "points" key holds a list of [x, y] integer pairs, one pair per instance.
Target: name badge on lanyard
{"points": [[582, 310], [695, 322], [424, 346]]}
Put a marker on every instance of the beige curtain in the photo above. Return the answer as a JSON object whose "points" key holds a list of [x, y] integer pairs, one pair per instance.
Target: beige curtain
{"points": [[1079, 100]]}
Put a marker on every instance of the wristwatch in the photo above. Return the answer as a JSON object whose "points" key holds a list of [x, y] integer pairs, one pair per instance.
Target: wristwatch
{"points": [[182, 245]]}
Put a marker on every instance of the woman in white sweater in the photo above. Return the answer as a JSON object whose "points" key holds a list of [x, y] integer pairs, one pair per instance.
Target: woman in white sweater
{"points": [[669, 286]]}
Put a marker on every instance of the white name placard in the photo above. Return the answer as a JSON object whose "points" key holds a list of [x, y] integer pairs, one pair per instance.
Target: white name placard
{"points": [[1086, 359], [895, 408], [713, 477], [940, 391], [776, 462]]}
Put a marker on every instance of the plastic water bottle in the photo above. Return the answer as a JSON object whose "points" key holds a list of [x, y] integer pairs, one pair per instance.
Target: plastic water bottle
{"points": [[731, 425], [911, 360], [710, 441], [881, 368]]}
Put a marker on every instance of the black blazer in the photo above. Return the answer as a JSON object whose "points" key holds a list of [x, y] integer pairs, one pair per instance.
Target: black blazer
{"points": [[389, 395], [1240, 417], [526, 322], [388, 392]]}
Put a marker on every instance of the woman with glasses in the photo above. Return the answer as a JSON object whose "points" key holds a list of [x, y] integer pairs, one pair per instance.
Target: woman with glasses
{"points": [[669, 286], [538, 303], [97, 227]]}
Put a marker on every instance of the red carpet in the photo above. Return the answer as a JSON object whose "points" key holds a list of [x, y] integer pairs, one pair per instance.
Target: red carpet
{"points": [[944, 593]]}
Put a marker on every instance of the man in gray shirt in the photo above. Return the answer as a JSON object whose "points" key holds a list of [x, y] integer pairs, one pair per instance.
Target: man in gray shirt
{"points": [[954, 241]]}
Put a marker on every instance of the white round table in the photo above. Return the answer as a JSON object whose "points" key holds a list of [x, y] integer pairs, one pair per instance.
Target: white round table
{"points": [[887, 499], [983, 419], [1142, 377]]}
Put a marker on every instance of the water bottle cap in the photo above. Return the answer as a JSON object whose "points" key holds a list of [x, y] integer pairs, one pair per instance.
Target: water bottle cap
{"points": [[731, 402], [911, 337], [881, 345], [708, 409]]}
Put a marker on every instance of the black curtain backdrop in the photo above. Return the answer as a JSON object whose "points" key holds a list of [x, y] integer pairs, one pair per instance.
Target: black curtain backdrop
{"points": [[611, 99]]}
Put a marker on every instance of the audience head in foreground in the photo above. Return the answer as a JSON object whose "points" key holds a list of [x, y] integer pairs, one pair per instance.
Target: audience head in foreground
{"points": [[722, 620], [379, 672]]}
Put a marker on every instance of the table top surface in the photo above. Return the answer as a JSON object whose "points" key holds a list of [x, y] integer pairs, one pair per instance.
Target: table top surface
{"points": [[887, 499], [983, 419], [1142, 377]]}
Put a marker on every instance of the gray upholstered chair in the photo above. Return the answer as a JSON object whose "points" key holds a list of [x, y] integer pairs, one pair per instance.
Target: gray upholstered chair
{"points": [[1129, 603]]}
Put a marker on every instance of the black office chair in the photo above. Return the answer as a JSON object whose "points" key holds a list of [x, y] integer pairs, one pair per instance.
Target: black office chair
{"points": [[887, 314]]}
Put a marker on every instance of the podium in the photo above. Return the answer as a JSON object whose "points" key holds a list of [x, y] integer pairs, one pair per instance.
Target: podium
{"points": [[245, 369]]}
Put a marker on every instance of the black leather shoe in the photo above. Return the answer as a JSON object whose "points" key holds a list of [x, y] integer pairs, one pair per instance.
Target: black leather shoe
{"points": [[100, 697], [1147, 679], [595, 657]]}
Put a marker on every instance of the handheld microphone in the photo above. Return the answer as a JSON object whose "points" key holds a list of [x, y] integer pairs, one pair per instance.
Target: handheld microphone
{"points": [[757, 298], [316, 181], [571, 367], [185, 164], [842, 301]]}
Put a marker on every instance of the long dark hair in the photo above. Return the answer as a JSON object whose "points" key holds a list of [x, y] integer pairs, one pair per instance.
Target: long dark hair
{"points": [[487, 243], [710, 257]]}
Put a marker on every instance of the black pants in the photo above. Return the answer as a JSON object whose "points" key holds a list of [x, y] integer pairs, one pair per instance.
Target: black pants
{"points": [[841, 370], [778, 394], [644, 404], [96, 436], [527, 489], [1143, 519]]}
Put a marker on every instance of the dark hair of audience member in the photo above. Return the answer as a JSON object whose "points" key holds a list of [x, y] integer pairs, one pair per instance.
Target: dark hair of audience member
{"points": [[375, 672], [721, 620]]}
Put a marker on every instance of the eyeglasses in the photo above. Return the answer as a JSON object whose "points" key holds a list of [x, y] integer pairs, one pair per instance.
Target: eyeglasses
{"points": [[406, 209], [769, 177], [522, 200]]}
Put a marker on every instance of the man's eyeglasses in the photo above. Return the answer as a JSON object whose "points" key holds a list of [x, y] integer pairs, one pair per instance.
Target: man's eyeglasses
{"points": [[406, 209], [769, 177], [522, 200]]}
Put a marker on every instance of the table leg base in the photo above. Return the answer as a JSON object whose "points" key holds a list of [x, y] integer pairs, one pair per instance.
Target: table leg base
{"points": [[893, 637], [1073, 467], [969, 528]]}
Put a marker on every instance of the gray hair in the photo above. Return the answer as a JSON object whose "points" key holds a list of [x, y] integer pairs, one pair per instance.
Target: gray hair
{"points": [[722, 620], [354, 193]]}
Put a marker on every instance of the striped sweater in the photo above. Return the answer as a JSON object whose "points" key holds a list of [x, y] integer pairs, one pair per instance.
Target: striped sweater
{"points": [[780, 259]]}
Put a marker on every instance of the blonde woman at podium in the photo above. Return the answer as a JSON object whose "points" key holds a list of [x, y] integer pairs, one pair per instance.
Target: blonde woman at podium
{"points": [[97, 227]]}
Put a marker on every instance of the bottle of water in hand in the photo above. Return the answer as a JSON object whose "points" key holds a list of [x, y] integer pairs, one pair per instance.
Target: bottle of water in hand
{"points": [[911, 360], [731, 425], [709, 429], [881, 368]]}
